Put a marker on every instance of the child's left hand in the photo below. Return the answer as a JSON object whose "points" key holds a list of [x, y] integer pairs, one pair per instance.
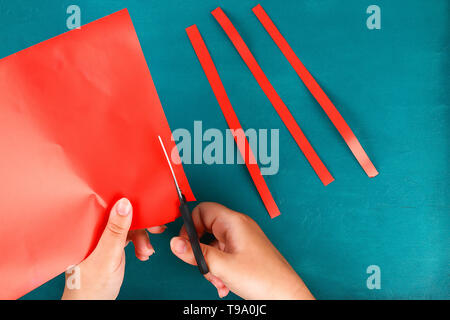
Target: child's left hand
{"points": [[101, 274]]}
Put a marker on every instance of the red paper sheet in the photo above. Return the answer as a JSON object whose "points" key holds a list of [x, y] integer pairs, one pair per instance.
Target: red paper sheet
{"points": [[317, 92], [282, 110], [230, 116], [79, 125]]}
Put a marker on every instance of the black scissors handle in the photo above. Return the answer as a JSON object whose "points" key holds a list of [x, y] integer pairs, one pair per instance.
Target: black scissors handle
{"points": [[193, 237]]}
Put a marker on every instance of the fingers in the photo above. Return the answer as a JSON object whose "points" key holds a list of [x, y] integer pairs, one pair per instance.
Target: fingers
{"points": [[214, 218], [215, 259], [156, 230], [222, 289], [114, 237], [142, 246]]}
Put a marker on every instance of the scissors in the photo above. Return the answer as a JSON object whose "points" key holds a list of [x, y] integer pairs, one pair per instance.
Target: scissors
{"points": [[188, 222]]}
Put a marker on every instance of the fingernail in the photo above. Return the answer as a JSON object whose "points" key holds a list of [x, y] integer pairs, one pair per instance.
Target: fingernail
{"points": [[150, 249], [123, 207], [179, 245]]}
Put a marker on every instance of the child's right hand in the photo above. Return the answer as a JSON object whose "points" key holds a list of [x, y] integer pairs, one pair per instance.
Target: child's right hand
{"points": [[241, 259]]}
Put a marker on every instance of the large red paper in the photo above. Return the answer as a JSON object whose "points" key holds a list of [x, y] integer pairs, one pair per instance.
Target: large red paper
{"points": [[230, 116], [280, 107], [79, 125], [312, 85]]}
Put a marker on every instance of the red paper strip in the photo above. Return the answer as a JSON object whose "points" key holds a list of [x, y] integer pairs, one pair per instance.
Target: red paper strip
{"points": [[282, 110], [317, 92], [79, 125], [230, 116]]}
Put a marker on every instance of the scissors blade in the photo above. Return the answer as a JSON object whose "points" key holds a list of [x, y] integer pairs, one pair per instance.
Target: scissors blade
{"points": [[180, 195]]}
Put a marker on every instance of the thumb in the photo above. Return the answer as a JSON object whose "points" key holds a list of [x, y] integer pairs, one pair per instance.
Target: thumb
{"points": [[215, 259], [114, 237]]}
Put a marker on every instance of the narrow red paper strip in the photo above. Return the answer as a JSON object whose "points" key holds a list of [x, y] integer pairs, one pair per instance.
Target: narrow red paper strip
{"points": [[273, 96], [230, 116], [317, 92]]}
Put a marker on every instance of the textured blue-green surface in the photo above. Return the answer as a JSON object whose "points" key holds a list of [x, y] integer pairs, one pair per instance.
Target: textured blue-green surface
{"points": [[391, 85]]}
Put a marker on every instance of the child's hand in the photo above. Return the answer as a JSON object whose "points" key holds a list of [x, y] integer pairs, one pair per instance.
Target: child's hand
{"points": [[241, 259], [101, 273]]}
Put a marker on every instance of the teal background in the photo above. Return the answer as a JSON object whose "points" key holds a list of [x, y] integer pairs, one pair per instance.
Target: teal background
{"points": [[391, 86]]}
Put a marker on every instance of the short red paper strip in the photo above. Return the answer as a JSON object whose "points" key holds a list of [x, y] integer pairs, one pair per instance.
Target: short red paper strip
{"points": [[230, 116], [79, 125], [317, 92], [282, 110]]}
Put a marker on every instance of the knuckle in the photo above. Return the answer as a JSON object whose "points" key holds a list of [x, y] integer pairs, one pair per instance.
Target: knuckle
{"points": [[116, 229], [244, 219], [205, 206]]}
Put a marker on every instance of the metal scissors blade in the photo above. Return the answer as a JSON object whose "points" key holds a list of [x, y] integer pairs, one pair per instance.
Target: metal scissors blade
{"points": [[180, 195]]}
